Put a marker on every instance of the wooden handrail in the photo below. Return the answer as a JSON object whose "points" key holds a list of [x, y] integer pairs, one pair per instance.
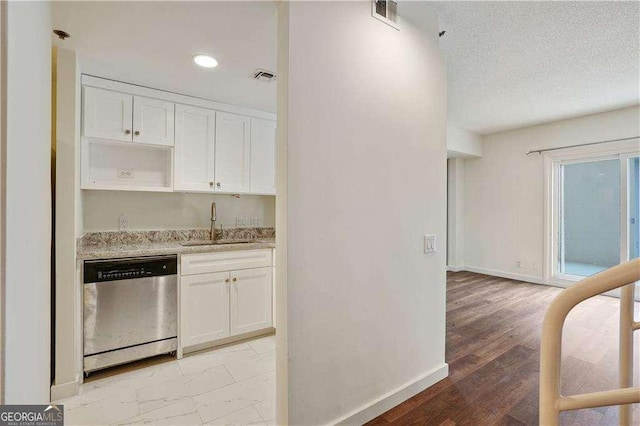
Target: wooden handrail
{"points": [[598, 399], [551, 401]]}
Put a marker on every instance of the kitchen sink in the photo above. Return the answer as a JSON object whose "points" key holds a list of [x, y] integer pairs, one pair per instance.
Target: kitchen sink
{"points": [[214, 243]]}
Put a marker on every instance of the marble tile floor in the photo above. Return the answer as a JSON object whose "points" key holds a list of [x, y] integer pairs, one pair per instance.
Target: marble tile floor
{"points": [[233, 385]]}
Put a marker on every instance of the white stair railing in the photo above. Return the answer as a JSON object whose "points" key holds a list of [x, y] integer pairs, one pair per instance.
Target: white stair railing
{"points": [[552, 403]]}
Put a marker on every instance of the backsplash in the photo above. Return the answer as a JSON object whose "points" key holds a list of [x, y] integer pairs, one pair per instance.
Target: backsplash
{"points": [[168, 211], [163, 236]]}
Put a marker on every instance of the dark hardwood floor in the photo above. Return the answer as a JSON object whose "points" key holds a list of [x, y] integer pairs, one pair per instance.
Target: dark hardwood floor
{"points": [[493, 340]]}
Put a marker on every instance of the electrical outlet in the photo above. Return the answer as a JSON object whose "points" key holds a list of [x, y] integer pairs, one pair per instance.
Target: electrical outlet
{"points": [[125, 174], [518, 264], [255, 221], [429, 244], [123, 222]]}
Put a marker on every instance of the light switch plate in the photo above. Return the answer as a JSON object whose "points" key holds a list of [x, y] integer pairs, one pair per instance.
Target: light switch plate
{"points": [[429, 244]]}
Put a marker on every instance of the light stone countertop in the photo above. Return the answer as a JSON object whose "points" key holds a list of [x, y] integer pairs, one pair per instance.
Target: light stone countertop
{"points": [[120, 244], [112, 251]]}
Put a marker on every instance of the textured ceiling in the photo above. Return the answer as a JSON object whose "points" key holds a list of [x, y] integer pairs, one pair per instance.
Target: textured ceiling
{"points": [[514, 64], [152, 44]]}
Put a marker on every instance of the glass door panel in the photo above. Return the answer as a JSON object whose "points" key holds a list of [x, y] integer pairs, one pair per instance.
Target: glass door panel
{"points": [[588, 217]]}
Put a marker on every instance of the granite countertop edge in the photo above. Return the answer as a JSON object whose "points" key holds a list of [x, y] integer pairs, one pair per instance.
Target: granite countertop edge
{"points": [[113, 251]]}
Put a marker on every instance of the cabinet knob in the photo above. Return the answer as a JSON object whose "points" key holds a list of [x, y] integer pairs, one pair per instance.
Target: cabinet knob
{"points": [[127, 132], [218, 184], [227, 280], [137, 133], [235, 279], [210, 183]]}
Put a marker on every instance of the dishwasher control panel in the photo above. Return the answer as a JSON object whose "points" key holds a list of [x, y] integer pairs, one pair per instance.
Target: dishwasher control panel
{"points": [[126, 269]]}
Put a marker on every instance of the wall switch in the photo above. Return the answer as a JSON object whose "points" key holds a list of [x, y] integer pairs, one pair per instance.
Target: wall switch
{"points": [[429, 244], [518, 264], [123, 222]]}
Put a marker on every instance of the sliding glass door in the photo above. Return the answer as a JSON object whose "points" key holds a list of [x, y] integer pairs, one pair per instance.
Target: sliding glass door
{"points": [[589, 217], [633, 206], [596, 206]]}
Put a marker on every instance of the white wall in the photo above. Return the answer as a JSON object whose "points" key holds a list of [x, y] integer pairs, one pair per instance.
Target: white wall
{"points": [[463, 143], [28, 192], [3, 210], [366, 180], [503, 218], [455, 213], [153, 211]]}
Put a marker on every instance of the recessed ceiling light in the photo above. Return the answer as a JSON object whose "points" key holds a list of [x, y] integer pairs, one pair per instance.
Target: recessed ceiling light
{"points": [[205, 61]]}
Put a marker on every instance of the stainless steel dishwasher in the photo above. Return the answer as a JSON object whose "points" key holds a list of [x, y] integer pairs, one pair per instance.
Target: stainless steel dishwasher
{"points": [[130, 310]]}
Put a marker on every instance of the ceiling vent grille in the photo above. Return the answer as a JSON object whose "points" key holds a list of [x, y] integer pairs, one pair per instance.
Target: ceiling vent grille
{"points": [[264, 75], [386, 11]]}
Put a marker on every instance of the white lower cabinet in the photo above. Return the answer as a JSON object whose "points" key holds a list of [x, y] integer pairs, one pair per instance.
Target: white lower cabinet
{"points": [[217, 304], [251, 303], [204, 308]]}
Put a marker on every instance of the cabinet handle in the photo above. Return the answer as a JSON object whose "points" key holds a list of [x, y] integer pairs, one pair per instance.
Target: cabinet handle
{"points": [[218, 184], [235, 279], [210, 183], [227, 280], [127, 132], [137, 133]]}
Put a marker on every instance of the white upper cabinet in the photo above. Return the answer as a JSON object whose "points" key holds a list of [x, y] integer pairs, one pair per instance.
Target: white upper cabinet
{"points": [[107, 114], [263, 156], [194, 149], [141, 139], [233, 153], [121, 117], [153, 121]]}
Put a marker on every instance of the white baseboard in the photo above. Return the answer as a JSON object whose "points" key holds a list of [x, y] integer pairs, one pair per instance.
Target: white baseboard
{"points": [[374, 408], [65, 390], [509, 275], [455, 268], [535, 280]]}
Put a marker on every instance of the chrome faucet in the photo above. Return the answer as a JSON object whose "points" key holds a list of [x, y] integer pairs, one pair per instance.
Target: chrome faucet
{"points": [[213, 221]]}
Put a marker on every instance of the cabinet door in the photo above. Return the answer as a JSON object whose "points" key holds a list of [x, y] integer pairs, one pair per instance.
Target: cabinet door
{"points": [[233, 147], [107, 114], [204, 308], [263, 156], [251, 300], [194, 149], [153, 121]]}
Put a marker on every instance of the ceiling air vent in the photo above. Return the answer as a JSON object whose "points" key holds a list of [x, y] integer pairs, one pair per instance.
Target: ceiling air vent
{"points": [[386, 11], [264, 75]]}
